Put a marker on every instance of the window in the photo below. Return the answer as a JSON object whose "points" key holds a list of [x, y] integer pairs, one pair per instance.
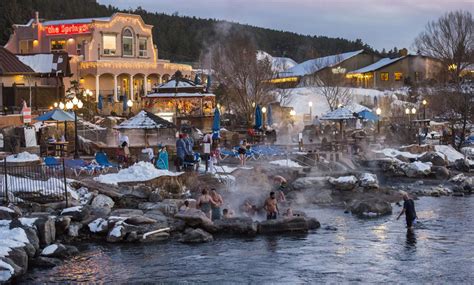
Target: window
{"points": [[142, 47], [127, 43], [58, 45], [398, 76], [384, 76], [110, 44], [79, 48], [26, 46]]}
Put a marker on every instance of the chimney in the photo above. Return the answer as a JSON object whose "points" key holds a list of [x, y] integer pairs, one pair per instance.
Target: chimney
{"points": [[37, 17], [403, 52]]}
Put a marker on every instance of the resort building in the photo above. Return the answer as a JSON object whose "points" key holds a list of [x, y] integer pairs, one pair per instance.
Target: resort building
{"points": [[111, 56], [393, 73]]}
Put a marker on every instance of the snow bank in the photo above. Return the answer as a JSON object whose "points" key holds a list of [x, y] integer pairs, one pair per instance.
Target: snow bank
{"points": [[28, 222], [50, 187], [391, 152], [22, 157], [140, 171], [345, 179], [9, 238], [285, 163], [451, 154], [71, 209]]}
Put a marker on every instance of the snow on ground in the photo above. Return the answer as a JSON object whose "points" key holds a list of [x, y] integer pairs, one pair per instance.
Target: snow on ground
{"points": [[28, 222], [140, 171], [391, 152], [286, 163], [9, 238], [50, 187], [5, 209], [451, 154], [98, 225], [71, 209], [345, 179], [117, 230], [50, 249], [22, 157]]}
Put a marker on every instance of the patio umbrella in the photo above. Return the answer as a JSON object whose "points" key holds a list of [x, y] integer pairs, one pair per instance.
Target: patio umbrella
{"points": [[258, 118], [269, 115], [216, 125], [367, 115], [100, 102], [56, 115], [125, 99]]}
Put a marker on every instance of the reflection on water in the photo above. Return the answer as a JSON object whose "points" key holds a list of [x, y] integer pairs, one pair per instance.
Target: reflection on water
{"points": [[439, 250]]}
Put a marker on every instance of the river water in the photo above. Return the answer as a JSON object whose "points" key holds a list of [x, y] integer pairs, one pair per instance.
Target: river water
{"points": [[441, 250]]}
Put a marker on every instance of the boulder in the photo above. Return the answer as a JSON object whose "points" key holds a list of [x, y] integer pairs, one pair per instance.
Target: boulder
{"points": [[368, 181], [304, 183], [344, 182], [19, 257], [462, 165], [46, 230], [416, 169], [138, 220], [169, 207], [62, 224], [77, 213], [7, 213], [195, 218], [371, 207], [126, 212], [440, 172], [117, 233], [99, 226], [45, 262], [313, 223], [196, 236], [237, 226], [156, 215], [155, 197], [74, 228], [54, 250], [32, 236], [295, 224], [436, 158], [102, 201], [131, 237]]}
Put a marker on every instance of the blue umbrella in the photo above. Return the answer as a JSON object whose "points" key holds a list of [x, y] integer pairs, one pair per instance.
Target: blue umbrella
{"points": [[367, 115], [208, 86], [216, 124], [125, 99], [197, 80], [269, 115], [56, 115], [258, 118], [100, 102]]}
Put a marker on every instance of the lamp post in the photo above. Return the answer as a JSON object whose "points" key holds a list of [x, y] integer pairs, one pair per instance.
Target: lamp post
{"points": [[424, 102], [378, 112], [74, 105], [264, 111], [129, 105], [310, 104]]}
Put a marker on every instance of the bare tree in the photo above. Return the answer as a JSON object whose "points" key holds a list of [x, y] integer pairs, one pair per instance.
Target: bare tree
{"points": [[329, 80], [450, 39], [245, 80]]}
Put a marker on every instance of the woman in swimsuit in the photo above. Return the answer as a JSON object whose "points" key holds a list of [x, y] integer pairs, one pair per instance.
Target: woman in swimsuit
{"points": [[205, 202], [216, 209]]}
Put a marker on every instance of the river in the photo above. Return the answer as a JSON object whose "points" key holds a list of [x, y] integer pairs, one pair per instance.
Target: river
{"points": [[441, 250]]}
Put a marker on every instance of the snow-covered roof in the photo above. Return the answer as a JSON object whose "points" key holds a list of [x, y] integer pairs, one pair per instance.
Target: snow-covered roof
{"points": [[145, 120], [314, 65], [75, 21], [279, 64], [183, 83], [45, 63], [179, 94], [339, 114], [377, 65]]}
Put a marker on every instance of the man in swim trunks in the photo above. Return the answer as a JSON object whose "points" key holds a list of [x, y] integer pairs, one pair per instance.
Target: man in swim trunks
{"points": [[408, 210], [271, 206]]}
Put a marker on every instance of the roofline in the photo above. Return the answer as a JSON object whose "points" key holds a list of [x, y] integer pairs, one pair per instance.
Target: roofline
{"points": [[388, 64]]}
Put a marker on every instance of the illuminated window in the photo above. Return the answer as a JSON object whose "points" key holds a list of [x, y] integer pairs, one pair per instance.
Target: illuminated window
{"points": [[110, 44], [127, 42], [384, 76], [142, 47], [58, 45], [398, 76], [417, 76], [26, 46]]}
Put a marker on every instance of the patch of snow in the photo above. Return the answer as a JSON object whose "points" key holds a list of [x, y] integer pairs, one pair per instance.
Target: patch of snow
{"points": [[286, 163], [374, 66], [391, 152], [451, 154], [22, 157], [6, 271], [98, 225], [71, 209], [5, 209], [50, 249], [140, 171], [345, 179], [117, 231], [28, 222]]}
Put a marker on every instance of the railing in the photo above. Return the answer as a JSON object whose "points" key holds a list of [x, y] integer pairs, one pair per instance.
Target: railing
{"points": [[25, 183]]}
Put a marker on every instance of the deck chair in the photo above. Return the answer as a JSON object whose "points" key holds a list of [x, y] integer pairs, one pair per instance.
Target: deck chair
{"points": [[52, 163], [79, 165], [102, 160], [225, 153]]}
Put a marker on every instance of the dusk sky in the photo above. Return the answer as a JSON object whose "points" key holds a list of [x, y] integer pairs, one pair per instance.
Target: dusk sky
{"points": [[380, 23]]}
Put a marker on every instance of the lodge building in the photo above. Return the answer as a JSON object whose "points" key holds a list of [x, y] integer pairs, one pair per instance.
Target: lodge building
{"points": [[112, 56]]}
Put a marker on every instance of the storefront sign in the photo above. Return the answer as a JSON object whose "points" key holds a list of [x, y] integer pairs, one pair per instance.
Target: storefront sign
{"points": [[67, 29]]}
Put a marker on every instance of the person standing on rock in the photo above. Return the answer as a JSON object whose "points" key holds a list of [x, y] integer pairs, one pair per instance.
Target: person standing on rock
{"points": [[409, 211], [216, 209], [205, 203], [271, 206]]}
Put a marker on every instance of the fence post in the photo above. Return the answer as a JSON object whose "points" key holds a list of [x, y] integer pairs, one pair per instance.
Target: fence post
{"points": [[65, 182], [6, 179]]}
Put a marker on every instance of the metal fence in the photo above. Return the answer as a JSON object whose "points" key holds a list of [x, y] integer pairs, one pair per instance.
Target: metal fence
{"points": [[25, 183]]}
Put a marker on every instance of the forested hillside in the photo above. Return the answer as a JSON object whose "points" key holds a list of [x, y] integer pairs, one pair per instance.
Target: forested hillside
{"points": [[181, 39]]}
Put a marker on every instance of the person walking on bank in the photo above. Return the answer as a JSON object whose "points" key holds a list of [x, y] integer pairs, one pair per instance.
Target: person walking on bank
{"points": [[409, 211]]}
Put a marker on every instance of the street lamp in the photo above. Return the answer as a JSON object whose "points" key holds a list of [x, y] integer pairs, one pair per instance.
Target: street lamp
{"points": [[413, 110], [378, 112], [73, 105], [129, 105], [264, 111], [310, 104], [424, 102], [293, 113], [55, 104]]}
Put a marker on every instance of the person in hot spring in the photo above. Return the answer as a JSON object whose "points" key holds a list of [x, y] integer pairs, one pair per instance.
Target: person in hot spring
{"points": [[282, 186], [271, 206], [205, 203], [288, 213]]}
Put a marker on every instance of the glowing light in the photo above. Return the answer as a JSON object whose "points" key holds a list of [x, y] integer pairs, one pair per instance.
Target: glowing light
{"points": [[80, 104], [264, 110], [424, 102], [452, 67], [378, 111], [129, 103], [413, 110], [310, 104], [407, 111], [55, 104], [61, 105], [284, 80], [292, 112], [35, 43], [67, 29]]}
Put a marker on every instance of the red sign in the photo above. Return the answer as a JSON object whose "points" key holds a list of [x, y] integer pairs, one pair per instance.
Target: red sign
{"points": [[26, 112], [67, 29]]}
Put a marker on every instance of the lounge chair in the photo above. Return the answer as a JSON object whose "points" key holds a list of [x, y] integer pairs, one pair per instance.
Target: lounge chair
{"points": [[102, 160], [79, 165], [52, 163]]}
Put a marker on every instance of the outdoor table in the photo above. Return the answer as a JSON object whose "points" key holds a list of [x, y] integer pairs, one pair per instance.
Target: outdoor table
{"points": [[57, 148]]}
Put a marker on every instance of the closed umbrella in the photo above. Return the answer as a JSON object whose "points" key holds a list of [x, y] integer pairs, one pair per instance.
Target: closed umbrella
{"points": [[269, 115], [100, 103], [258, 118], [208, 86], [125, 99], [216, 125]]}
